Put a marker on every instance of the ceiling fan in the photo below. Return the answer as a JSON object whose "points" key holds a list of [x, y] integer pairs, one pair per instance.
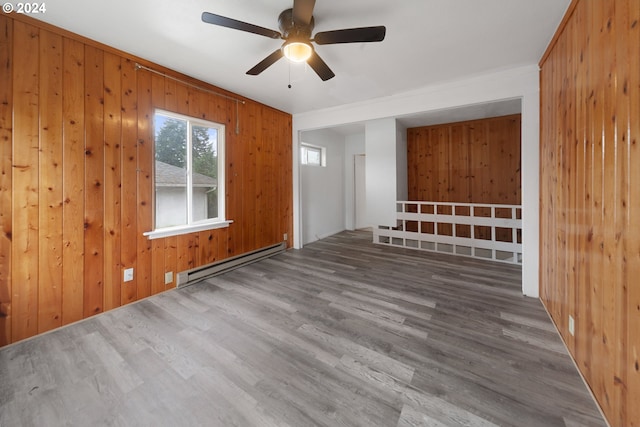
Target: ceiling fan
{"points": [[296, 25]]}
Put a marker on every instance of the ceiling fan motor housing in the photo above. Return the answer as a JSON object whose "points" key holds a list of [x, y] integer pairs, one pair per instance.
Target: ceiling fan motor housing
{"points": [[298, 31]]}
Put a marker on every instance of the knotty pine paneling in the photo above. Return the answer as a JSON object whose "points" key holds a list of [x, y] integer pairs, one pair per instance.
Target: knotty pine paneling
{"points": [[73, 171], [94, 148], [25, 192], [590, 203], [6, 160], [112, 180], [76, 178], [50, 183], [475, 161]]}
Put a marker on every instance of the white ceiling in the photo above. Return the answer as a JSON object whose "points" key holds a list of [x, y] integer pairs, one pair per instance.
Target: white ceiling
{"points": [[427, 42]]}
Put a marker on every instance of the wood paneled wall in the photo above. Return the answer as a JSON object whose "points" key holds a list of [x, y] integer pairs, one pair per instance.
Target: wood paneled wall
{"points": [[76, 178], [475, 161], [590, 197]]}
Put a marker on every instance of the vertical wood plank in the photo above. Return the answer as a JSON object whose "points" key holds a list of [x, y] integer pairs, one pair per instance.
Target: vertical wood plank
{"points": [[129, 166], [187, 251], [208, 246], [112, 181], [235, 190], [170, 95], [157, 266], [269, 182], [94, 182], [73, 182], [585, 326], [171, 259], [631, 305], [24, 257], [6, 160], [50, 185], [582, 160], [286, 205], [480, 155], [443, 162], [459, 145], [562, 168], [251, 143], [514, 148], [611, 181], [145, 183], [181, 99], [622, 121], [431, 172], [412, 167], [570, 216]]}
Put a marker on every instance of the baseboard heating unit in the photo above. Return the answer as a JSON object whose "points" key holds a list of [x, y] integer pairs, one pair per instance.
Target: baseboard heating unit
{"points": [[192, 276]]}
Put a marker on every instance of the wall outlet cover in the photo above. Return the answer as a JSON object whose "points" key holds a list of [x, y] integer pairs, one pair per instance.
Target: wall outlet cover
{"points": [[168, 277], [572, 326], [128, 274]]}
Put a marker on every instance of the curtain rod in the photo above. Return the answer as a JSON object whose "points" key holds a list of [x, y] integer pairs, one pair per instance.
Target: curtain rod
{"points": [[222, 95]]}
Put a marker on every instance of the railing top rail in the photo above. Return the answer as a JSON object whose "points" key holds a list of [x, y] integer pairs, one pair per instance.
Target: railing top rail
{"points": [[487, 205]]}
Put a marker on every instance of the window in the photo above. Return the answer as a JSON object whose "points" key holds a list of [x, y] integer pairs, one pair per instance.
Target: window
{"points": [[313, 155], [189, 174]]}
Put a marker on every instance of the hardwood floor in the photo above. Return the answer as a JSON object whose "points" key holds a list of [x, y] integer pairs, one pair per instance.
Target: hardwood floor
{"points": [[341, 333]]}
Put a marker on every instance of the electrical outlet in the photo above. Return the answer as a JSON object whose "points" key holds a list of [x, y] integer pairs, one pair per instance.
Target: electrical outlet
{"points": [[572, 326], [128, 274], [285, 236], [168, 277]]}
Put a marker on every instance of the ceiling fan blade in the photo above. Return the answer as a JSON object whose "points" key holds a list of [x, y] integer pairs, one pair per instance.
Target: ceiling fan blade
{"points": [[265, 63], [211, 18], [351, 35], [303, 11], [320, 67]]}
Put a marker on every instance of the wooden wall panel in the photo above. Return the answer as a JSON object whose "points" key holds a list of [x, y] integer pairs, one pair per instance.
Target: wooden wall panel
{"points": [[112, 181], [129, 167], [25, 215], [590, 206], [50, 183], [476, 161], [6, 160], [73, 169], [94, 181], [629, 352], [145, 168], [76, 183]]}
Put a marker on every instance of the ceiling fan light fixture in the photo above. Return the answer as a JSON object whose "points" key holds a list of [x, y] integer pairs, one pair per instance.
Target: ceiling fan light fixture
{"points": [[297, 51]]}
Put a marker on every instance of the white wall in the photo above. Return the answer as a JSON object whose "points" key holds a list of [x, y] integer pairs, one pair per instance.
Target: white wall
{"points": [[402, 172], [380, 144], [322, 188], [521, 82], [353, 145]]}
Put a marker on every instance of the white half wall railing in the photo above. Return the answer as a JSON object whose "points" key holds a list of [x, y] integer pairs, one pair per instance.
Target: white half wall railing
{"points": [[487, 231]]}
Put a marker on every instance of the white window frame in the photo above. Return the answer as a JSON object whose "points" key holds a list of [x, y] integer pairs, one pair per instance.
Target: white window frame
{"points": [[209, 223], [304, 147]]}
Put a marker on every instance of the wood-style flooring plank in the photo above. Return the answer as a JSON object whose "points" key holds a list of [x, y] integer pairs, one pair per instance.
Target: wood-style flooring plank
{"points": [[340, 333]]}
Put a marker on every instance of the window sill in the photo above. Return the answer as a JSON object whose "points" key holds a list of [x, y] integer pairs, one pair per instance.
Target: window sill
{"points": [[185, 229]]}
